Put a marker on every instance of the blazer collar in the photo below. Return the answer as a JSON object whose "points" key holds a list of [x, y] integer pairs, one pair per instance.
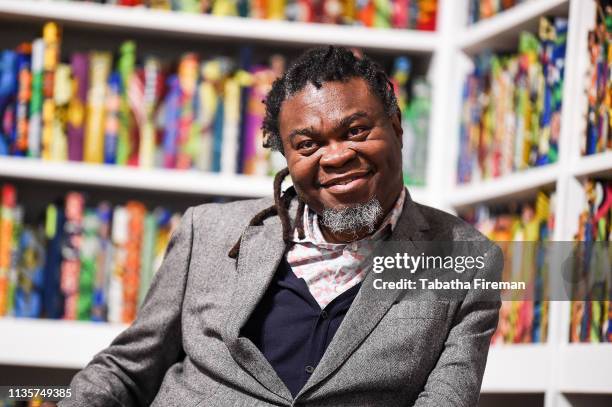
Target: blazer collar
{"points": [[261, 251], [370, 305]]}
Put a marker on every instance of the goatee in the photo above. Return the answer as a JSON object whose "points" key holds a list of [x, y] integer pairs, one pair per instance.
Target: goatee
{"points": [[351, 219]]}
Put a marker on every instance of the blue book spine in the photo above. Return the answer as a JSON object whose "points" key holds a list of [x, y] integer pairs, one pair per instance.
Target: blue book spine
{"points": [[8, 94], [218, 136]]}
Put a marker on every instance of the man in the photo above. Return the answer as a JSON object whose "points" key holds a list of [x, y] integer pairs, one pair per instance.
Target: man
{"points": [[272, 303]]}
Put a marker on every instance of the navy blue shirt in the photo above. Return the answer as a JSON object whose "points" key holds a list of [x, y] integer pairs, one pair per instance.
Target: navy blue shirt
{"points": [[290, 328]]}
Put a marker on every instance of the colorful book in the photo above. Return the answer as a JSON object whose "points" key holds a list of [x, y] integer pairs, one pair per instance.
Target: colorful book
{"points": [[51, 37], [9, 196], [71, 249], [8, 90], [75, 126], [24, 94], [125, 66], [99, 69], [36, 102]]}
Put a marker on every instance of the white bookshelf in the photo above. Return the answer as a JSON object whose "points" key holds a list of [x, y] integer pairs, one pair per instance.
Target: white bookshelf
{"points": [[502, 30], [553, 369], [507, 186], [592, 164], [186, 25], [507, 372], [136, 178], [53, 343]]}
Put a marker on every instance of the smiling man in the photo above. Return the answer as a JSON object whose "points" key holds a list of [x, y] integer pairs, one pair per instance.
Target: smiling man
{"points": [[271, 302]]}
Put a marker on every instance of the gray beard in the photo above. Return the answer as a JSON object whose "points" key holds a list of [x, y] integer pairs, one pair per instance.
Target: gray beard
{"points": [[354, 218]]}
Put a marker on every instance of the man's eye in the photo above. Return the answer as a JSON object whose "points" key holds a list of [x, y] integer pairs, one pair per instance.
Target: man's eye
{"points": [[357, 131], [306, 145]]}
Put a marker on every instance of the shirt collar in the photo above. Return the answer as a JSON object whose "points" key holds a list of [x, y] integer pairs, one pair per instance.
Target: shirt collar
{"points": [[314, 235]]}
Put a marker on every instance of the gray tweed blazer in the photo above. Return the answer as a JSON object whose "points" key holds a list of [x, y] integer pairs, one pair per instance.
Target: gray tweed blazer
{"points": [[184, 348]]}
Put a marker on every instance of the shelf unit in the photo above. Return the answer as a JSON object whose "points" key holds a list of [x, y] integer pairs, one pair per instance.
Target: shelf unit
{"points": [[72, 343], [135, 178], [186, 25], [555, 369], [498, 189], [499, 31]]}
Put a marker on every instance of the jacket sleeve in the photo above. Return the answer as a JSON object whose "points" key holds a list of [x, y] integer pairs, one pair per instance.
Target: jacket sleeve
{"points": [[130, 371], [457, 376]]}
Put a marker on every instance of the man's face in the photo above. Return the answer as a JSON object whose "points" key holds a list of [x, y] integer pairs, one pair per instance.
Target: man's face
{"points": [[342, 149]]}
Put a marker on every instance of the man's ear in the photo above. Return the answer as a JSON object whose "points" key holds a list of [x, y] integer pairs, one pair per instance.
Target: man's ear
{"points": [[396, 122]]}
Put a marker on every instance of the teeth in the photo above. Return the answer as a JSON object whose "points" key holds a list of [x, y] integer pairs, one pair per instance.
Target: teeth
{"points": [[348, 181]]}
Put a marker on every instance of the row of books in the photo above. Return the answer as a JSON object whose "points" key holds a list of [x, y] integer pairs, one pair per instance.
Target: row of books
{"points": [[482, 9], [591, 319], [598, 135], [82, 261], [511, 111], [204, 114], [410, 14], [521, 320]]}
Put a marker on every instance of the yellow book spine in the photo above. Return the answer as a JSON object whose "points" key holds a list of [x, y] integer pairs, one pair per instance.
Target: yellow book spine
{"points": [[100, 65]]}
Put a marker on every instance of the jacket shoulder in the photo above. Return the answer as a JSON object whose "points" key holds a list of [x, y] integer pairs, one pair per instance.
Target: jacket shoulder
{"points": [[228, 216]]}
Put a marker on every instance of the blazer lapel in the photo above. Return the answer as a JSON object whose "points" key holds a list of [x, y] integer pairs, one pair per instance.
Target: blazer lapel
{"points": [[370, 305], [261, 250]]}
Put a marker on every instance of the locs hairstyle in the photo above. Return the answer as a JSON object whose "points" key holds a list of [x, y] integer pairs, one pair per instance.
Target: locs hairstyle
{"points": [[315, 66]]}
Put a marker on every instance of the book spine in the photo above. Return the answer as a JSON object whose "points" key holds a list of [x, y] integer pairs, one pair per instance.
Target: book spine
{"points": [[172, 103], [188, 77], [36, 103], [53, 300], [23, 278], [100, 63], [276, 9], [51, 36], [70, 269], [90, 247], [28, 293], [61, 95], [160, 4], [231, 126], [76, 106], [23, 99], [9, 197], [226, 7], [104, 263], [126, 63], [147, 256], [147, 129], [8, 90], [164, 229], [131, 276], [207, 109], [111, 121], [120, 233]]}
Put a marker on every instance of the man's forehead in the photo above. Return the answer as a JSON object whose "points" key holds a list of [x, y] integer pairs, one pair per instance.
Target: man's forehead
{"points": [[332, 102]]}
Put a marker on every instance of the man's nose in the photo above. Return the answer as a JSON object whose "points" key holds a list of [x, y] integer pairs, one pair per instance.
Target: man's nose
{"points": [[337, 155]]}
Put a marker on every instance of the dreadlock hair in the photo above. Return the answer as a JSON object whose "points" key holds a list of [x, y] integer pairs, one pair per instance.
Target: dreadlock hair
{"points": [[315, 66], [280, 208]]}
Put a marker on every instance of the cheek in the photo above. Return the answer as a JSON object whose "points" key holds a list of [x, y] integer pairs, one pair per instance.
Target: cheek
{"points": [[303, 172], [386, 158]]}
